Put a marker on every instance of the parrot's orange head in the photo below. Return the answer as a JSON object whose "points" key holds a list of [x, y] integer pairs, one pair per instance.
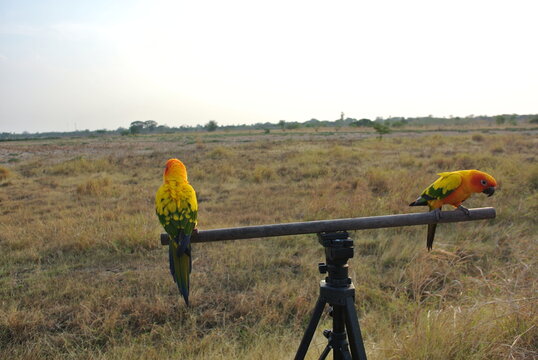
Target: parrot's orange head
{"points": [[175, 169], [483, 182]]}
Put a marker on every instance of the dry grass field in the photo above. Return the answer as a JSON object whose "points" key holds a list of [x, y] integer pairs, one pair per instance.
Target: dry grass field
{"points": [[83, 275]]}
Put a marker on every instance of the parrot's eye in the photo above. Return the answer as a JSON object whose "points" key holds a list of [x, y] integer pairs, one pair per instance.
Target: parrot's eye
{"points": [[483, 182]]}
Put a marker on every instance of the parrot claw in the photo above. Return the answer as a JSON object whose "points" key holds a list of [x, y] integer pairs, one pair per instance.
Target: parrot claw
{"points": [[464, 210]]}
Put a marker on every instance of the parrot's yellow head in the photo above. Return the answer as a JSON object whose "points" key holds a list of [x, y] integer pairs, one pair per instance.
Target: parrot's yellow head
{"points": [[175, 169], [483, 182]]}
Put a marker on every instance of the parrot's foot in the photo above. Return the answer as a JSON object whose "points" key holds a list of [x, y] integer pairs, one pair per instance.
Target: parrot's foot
{"points": [[437, 213], [464, 210]]}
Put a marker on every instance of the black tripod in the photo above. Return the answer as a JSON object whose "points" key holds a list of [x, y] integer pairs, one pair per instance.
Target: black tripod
{"points": [[338, 291]]}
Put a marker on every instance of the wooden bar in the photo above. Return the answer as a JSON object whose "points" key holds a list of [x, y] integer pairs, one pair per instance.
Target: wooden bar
{"points": [[314, 227]]}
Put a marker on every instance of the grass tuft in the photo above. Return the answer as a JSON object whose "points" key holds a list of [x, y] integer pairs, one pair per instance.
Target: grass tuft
{"points": [[378, 181], [220, 152], [533, 178], [95, 187], [80, 165], [263, 173], [5, 173]]}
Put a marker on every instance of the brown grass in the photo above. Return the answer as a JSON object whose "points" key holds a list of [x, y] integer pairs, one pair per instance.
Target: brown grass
{"points": [[95, 187], [82, 274], [4, 173]]}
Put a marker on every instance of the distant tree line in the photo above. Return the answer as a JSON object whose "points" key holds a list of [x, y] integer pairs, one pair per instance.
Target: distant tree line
{"points": [[138, 126], [382, 126]]}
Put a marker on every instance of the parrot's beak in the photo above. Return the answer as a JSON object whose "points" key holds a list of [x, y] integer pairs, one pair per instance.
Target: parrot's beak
{"points": [[489, 191]]}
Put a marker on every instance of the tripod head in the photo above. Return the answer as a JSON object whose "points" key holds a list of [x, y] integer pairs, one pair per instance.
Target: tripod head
{"points": [[338, 249]]}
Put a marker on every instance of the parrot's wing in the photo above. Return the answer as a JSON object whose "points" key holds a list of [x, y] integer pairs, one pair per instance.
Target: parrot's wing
{"points": [[163, 206], [442, 187], [177, 216]]}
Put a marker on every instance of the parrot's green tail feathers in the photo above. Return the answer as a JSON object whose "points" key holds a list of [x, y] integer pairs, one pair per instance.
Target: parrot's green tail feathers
{"points": [[183, 276], [180, 265], [431, 235]]}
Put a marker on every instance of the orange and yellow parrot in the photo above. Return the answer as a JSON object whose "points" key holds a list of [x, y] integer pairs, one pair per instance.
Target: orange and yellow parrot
{"points": [[177, 209], [453, 188]]}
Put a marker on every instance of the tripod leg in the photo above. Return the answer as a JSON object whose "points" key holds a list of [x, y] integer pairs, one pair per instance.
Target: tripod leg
{"points": [[338, 337], [309, 333], [325, 352], [354, 331]]}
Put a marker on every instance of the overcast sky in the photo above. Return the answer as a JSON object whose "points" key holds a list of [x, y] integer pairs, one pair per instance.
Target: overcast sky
{"points": [[103, 64]]}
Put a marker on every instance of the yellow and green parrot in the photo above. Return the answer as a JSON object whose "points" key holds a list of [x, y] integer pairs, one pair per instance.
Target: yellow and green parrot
{"points": [[177, 209], [453, 188]]}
